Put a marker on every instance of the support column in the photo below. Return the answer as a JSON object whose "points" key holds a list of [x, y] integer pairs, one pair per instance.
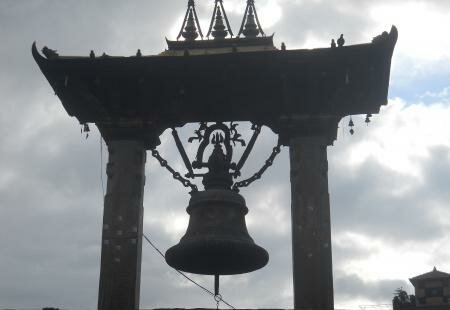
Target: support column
{"points": [[122, 227], [311, 231]]}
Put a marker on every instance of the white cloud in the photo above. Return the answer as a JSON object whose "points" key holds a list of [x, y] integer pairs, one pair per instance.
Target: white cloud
{"points": [[403, 141], [443, 95], [382, 261], [423, 28], [270, 13], [422, 48]]}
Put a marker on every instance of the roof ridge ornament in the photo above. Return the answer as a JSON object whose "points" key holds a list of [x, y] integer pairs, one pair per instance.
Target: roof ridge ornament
{"points": [[250, 26], [191, 26], [217, 27]]}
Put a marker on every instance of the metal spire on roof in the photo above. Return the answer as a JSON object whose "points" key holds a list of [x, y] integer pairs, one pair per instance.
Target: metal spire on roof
{"points": [[250, 26], [191, 26], [219, 14]]}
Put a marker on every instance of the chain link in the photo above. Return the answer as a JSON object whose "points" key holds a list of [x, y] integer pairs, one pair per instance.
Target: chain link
{"points": [[176, 175], [269, 162], [244, 183]]}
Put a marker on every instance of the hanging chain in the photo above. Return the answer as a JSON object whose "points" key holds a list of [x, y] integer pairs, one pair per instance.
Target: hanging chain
{"points": [[244, 183], [269, 162], [176, 175]]}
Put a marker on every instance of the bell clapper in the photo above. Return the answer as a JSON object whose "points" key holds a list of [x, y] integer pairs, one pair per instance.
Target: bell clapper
{"points": [[216, 285], [217, 296]]}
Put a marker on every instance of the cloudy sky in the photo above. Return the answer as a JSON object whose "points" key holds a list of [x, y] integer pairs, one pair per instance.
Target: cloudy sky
{"points": [[389, 183]]}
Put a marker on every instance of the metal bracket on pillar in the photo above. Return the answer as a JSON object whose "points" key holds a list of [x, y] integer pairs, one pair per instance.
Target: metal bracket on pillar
{"points": [[147, 133], [294, 126]]}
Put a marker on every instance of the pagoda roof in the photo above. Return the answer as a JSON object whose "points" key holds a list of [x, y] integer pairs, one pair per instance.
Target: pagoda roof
{"points": [[262, 85], [434, 274]]}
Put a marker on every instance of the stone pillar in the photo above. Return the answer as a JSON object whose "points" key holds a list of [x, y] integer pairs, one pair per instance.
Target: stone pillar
{"points": [[122, 227], [311, 232]]}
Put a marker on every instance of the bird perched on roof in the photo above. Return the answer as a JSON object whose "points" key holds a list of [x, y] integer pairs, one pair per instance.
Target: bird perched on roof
{"points": [[341, 41], [92, 55], [333, 43], [138, 53], [381, 37], [49, 53]]}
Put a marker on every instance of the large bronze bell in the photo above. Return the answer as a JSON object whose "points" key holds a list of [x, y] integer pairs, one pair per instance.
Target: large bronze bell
{"points": [[217, 241]]}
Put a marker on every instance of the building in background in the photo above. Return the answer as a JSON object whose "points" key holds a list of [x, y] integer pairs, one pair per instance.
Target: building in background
{"points": [[432, 291], [432, 288]]}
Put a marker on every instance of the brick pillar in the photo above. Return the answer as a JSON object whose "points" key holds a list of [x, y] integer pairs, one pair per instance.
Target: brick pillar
{"points": [[311, 233], [122, 227]]}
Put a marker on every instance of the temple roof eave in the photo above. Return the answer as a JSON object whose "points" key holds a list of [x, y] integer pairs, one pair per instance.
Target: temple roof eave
{"points": [[269, 68], [388, 44]]}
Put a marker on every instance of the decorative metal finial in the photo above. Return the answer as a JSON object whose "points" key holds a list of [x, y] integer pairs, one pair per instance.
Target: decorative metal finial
{"points": [[251, 29], [220, 31], [341, 41], [250, 26], [92, 54], [217, 27], [190, 29]]}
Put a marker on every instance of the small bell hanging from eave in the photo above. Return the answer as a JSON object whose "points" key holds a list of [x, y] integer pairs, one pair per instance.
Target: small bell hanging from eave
{"points": [[351, 124], [86, 129], [367, 121]]}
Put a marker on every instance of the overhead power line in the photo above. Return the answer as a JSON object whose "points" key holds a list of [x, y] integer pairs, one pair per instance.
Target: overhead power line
{"points": [[187, 277]]}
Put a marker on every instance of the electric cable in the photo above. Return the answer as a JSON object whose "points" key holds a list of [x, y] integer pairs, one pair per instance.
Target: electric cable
{"points": [[184, 275]]}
